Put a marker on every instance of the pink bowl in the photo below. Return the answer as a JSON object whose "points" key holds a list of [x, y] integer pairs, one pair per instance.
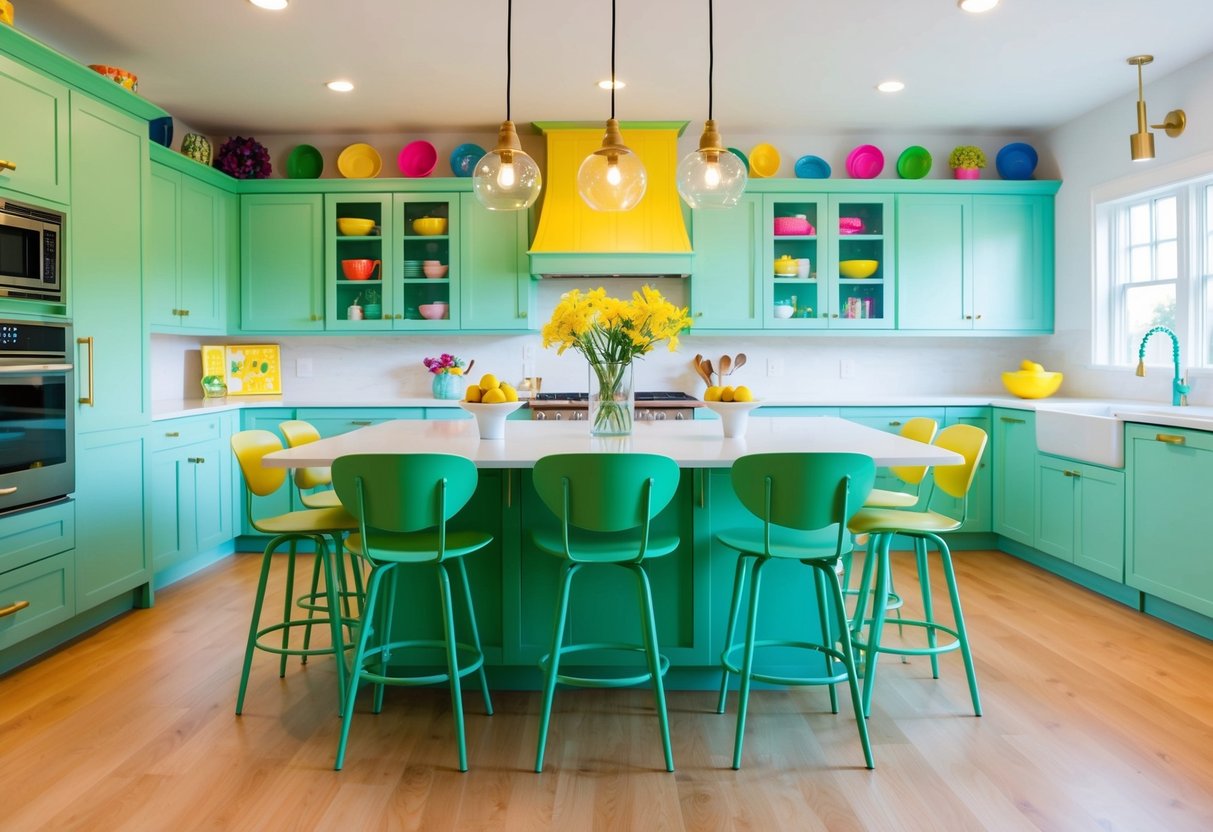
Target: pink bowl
{"points": [[865, 162], [850, 225], [792, 226], [417, 159], [433, 311], [434, 270]]}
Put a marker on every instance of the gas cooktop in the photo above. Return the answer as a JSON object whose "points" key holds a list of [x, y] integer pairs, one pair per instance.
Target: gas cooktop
{"points": [[661, 397]]}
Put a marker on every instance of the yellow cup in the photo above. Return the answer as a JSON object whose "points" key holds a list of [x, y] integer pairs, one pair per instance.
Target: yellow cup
{"points": [[6, 12]]}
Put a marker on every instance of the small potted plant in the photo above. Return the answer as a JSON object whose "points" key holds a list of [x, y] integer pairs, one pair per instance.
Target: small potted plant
{"points": [[371, 307], [967, 161], [448, 375]]}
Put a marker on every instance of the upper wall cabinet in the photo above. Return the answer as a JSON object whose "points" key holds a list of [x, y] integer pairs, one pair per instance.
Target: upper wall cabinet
{"points": [[281, 263], [981, 262], [496, 291], [33, 133], [727, 285]]}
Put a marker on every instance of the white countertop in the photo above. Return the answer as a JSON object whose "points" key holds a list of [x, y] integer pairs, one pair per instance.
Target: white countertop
{"points": [[693, 444]]}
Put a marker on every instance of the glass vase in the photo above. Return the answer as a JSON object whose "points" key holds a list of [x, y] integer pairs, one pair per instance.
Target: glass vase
{"points": [[612, 399], [448, 386]]}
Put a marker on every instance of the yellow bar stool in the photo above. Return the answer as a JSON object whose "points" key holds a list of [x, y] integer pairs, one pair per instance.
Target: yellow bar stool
{"points": [[313, 489], [312, 525], [922, 527]]}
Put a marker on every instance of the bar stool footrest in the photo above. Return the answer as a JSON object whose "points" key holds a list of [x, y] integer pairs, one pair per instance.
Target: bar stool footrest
{"points": [[836, 655], [295, 651], [603, 681], [861, 644], [461, 649]]}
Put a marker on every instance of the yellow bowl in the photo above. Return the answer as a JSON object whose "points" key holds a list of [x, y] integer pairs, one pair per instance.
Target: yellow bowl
{"points": [[429, 226], [764, 161], [858, 269], [354, 227], [1031, 385]]}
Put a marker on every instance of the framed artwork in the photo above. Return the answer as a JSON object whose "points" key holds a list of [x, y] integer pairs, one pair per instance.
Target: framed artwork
{"points": [[252, 369]]}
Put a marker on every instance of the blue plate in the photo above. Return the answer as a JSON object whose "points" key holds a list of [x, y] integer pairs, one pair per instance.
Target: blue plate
{"points": [[464, 159], [812, 167], [1016, 161]]}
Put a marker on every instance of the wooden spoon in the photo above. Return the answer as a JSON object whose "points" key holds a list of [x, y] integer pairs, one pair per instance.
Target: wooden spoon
{"points": [[739, 361], [697, 363], [469, 367], [707, 368], [726, 364]]}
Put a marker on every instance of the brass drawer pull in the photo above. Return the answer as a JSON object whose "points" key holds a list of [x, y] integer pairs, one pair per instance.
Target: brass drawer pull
{"points": [[1012, 420], [172, 434], [4, 492], [197, 460], [5, 164], [361, 422], [1072, 473], [894, 424], [1170, 438], [13, 608]]}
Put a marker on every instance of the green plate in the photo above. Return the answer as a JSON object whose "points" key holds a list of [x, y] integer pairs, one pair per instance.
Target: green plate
{"points": [[305, 162], [914, 163]]}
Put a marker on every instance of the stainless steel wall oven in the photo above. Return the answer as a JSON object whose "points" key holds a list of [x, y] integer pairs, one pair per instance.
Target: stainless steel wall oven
{"points": [[37, 414]]}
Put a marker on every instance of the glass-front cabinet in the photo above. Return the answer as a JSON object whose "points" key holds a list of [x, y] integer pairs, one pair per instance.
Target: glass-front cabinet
{"points": [[829, 261], [360, 265], [427, 245]]}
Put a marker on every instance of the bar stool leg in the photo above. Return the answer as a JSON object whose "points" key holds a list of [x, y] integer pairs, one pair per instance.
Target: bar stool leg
{"points": [[452, 662], [924, 583], [823, 616], [256, 619], [467, 596], [848, 660], [654, 657], [311, 613], [336, 625], [387, 618], [879, 611], [372, 597], [950, 574], [747, 667], [738, 586], [290, 602], [549, 685]]}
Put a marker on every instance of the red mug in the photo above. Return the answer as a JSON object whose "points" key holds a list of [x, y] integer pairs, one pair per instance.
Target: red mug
{"points": [[359, 269]]}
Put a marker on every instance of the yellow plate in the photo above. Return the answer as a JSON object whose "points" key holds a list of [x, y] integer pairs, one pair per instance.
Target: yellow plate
{"points": [[359, 161], [764, 161]]}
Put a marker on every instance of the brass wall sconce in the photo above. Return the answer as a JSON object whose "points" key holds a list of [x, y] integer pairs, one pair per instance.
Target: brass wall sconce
{"points": [[1141, 143]]}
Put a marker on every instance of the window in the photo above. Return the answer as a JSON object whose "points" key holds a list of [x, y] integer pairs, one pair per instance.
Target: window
{"points": [[1154, 262]]}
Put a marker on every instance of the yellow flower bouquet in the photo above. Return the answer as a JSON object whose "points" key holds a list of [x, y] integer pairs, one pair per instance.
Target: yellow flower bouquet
{"points": [[611, 333]]}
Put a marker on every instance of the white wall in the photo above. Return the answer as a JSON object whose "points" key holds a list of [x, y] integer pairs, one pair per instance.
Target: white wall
{"points": [[1092, 153]]}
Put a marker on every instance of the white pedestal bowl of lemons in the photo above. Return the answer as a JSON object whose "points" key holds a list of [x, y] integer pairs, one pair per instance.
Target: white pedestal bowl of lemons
{"points": [[490, 402], [733, 406]]}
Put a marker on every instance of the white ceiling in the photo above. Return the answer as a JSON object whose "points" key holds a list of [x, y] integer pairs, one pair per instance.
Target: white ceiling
{"points": [[224, 66]]}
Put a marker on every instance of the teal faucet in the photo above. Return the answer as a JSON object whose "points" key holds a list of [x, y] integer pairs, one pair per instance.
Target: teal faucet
{"points": [[1179, 390]]}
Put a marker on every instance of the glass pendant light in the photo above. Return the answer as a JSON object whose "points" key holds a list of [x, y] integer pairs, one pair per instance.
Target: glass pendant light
{"points": [[712, 176], [612, 178], [506, 178]]}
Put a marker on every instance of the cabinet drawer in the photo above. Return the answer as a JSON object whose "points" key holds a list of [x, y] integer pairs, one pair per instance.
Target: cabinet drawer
{"points": [[31, 535], [177, 433], [36, 597]]}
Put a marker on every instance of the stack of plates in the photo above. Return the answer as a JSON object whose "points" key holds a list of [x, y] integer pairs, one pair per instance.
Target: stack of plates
{"points": [[412, 268]]}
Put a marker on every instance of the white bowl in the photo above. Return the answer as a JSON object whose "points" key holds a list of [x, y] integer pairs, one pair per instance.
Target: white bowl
{"points": [[734, 416], [781, 310], [490, 418]]}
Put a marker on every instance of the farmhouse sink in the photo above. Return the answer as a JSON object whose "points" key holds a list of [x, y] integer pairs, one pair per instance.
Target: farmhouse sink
{"points": [[1086, 431]]}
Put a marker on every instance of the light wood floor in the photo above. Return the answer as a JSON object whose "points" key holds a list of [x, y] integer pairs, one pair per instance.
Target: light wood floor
{"points": [[1096, 718]]}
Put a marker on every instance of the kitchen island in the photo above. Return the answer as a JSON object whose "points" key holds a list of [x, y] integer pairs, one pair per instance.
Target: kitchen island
{"points": [[515, 584]]}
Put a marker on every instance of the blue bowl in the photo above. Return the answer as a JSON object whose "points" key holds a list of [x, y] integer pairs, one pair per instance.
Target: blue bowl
{"points": [[160, 130], [812, 167], [464, 159], [1016, 161]]}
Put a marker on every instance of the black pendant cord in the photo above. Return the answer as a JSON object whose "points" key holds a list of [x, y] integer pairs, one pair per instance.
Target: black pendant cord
{"points": [[711, 58], [613, 58], [509, 58]]}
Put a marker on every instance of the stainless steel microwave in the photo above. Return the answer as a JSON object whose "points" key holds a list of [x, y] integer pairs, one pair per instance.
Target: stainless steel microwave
{"points": [[31, 252]]}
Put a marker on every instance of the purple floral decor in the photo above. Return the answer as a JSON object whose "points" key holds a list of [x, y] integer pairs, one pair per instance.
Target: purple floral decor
{"points": [[243, 158]]}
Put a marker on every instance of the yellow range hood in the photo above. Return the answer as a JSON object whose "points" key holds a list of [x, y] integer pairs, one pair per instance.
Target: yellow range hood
{"points": [[573, 240]]}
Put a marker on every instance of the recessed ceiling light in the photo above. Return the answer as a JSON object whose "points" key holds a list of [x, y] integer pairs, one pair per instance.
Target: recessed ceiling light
{"points": [[340, 86], [977, 6], [606, 85], [272, 5], [890, 86]]}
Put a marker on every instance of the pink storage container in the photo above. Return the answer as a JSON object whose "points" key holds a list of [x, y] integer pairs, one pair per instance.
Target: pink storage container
{"points": [[850, 225], [792, 226]]}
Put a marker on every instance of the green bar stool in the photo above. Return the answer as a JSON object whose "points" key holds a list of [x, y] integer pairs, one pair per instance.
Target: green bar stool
{"points": [[314, 525], [605, 504], [403, 503], [804, 501], [307, 480], [921, 527]]}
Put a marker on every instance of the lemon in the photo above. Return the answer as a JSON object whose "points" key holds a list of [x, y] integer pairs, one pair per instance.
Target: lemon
{"points": [[488, 381], [494, 396], [455, 371], [1031, 366], [727, 394], [473, 393], [511, 395], [743, 394], [712, 394]]}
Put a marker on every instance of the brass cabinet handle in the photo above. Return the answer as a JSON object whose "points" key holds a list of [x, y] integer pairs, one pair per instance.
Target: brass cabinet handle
{"points": [[978, 317], [172, 434], [1011, 419], [894, 424], [4, 492], [197, 460], [697, 314], [176, 312], [361, 422], [835, 315], [522, 314], [1170, 438], [13, 608], [5, 164], [88, 342], [185, 313], [1072, 473], [968, 317]]}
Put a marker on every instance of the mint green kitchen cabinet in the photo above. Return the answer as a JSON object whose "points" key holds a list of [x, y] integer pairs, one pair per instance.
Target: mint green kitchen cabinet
{"points": [[1014, 474], [496, 291], [727, 284], [191, 475], [333, 421], [978, 516], [110, 178], [981, 262], [281, 263], [891, 420], [1168, 522], [37, 570], [33, 134], [380, 288], [186, 271], [416, 290], [111, 553], [1079, 514]]}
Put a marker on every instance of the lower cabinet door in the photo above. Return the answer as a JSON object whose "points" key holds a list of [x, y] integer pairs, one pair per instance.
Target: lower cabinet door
{"points": [[1055, 507], [171, 494], [35, 597], [1099, 529], [211, 471]]}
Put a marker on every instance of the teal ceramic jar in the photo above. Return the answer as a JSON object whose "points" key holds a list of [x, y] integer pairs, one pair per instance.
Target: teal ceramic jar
{"points": [[448, 386]]}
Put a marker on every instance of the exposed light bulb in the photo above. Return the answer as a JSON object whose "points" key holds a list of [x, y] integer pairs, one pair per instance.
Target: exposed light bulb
{"points": [[613, 176], [340, 86], [505, 176], [271, 5], [890, 86], [711, 175], [977, 6]]}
